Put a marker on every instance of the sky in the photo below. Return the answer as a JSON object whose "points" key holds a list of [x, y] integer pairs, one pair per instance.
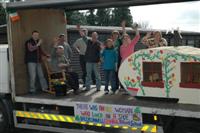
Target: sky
{"points": [[185, 15]]}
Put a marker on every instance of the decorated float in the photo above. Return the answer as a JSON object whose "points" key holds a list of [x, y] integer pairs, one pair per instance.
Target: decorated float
{"points": [[163, 72]]}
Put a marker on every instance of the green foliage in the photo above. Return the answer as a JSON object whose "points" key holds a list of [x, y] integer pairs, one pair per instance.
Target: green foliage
{"points": [[2, 16], [119, 14], [103, 17], [91, 18], [76, 17]]}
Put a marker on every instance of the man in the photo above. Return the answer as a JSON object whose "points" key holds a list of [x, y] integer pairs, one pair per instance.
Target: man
{"points": [[80, 46], [60, 41], [33, 57], [61, 63], [92, 57]]}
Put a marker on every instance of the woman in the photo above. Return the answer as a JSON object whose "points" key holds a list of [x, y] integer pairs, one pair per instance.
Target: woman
{"points": [[155, 39], [128, 45]]}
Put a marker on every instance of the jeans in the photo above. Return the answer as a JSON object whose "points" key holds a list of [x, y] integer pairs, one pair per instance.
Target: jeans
{"points": [[72, 80], [89, 68], [110, 77], [34, 70], [83, 68]]}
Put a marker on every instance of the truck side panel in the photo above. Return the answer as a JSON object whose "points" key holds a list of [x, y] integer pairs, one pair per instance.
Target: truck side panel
{"points": [[4, 75]]}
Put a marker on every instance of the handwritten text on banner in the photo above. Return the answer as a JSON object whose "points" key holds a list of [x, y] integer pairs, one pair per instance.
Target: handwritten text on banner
{"points": [[108, 114]]}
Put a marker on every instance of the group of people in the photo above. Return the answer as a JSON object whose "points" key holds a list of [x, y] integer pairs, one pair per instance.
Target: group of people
{"points": [[60, 56], [92, 53]]}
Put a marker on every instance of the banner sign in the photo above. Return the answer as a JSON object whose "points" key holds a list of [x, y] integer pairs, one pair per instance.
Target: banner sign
{"points": [[108, 114]]}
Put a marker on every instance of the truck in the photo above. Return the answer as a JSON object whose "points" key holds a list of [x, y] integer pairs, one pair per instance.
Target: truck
{"points": [[145, 110]]}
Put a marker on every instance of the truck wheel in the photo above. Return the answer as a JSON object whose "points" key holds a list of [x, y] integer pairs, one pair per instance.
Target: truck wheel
{"points": [[187, 127], [3, 119]]}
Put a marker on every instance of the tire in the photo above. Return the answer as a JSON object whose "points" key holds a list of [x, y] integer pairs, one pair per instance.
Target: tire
{"points": [[187, 127], [4, 124]]}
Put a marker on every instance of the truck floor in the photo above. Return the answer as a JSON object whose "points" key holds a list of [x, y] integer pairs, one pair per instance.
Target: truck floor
{"points": [[119, 98]]}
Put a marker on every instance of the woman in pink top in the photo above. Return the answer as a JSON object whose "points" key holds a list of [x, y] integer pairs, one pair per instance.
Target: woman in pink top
{"points": [[128, 45]]}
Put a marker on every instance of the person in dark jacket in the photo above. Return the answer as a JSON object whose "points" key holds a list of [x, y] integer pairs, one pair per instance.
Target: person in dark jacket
{"points": [[33, 58], [92, 58]]}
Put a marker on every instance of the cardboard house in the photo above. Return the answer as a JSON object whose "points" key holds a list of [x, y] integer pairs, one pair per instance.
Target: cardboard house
{"points": [[163, 72]]}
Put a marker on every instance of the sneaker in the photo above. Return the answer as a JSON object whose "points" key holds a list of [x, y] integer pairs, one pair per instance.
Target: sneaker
{"points": [[106, 92], [76, 92], [45, 90], [98, 90], [87, 89], [113, 92], [32, 92]]}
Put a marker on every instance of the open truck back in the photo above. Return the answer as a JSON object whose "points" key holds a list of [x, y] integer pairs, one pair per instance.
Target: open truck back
{"points": [[88, 111]]}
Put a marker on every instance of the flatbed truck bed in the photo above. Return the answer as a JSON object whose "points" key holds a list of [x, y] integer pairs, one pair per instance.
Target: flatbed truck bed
{"points": [[47, 112], [147, 106]]}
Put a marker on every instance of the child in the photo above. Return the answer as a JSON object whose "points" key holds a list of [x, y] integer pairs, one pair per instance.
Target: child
{"points": [[109, 58]]}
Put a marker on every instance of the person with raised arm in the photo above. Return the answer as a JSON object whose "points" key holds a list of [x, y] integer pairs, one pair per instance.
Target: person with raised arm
{"points": [[128, 45], [117, 41], [92, 58], [61, 41], [154, 39]]}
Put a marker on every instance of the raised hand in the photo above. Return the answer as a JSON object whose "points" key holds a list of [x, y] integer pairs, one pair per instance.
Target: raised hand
{"points": [[55, 41], [123, 24], [82, 34], [148, 35], [78, 26], [39, 42], [135, 26]]}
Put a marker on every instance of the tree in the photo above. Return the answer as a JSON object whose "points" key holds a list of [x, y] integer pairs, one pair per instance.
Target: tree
{"points": [[2, 16], [144, 25], [75, 17], [91, 19], [103, 17], [120, 14]]}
